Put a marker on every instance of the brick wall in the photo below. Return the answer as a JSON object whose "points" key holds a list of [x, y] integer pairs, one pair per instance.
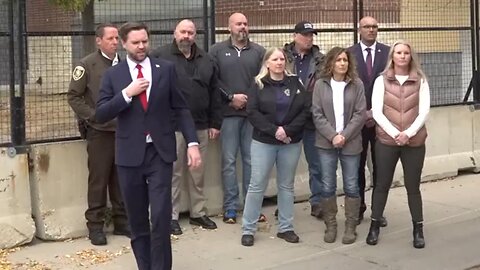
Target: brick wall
{"points": [[280, 12], [43, 16]]}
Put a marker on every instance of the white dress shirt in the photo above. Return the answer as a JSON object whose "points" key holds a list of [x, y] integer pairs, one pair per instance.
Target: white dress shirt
{"points": [[382, 120], [147, 74], [338, 89]]}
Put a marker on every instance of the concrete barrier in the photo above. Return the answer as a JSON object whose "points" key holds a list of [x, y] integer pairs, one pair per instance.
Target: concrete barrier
{"points": [[16, 224], [58, 180], [59, 172]]}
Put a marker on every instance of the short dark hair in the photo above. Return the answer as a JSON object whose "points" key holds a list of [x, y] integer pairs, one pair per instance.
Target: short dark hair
{"points": [[131, 26], [100, 30]]}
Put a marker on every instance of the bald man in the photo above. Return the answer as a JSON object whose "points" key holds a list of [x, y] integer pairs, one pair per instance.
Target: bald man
{"points": [[198, 82], [239, 61], [371, 57]]}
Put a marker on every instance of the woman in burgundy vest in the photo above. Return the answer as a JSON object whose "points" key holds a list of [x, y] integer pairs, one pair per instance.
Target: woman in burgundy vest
{"points": [[400, 105]]}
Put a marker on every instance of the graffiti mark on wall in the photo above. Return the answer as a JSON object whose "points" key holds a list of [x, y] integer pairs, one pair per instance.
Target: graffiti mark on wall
{"points": [[6, 182]]}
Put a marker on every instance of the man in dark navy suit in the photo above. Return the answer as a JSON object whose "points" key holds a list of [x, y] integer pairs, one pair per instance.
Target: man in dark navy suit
{"points": [[142, 94], [371, 57]]}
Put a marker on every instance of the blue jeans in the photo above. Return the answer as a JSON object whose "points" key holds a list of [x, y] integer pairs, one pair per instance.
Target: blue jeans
{"points": [[264, 156], [236, 133], [329, 161], [313, 161]]}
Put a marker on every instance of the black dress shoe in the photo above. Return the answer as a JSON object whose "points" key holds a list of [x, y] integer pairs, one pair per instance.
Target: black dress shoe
{"points": [[204, 221], [122, 230], [289, 236], [97, 237], [247, 240], [383, 222], [175, 228]]}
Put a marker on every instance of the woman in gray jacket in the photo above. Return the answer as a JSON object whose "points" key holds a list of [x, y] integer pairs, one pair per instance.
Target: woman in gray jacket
{"points": [[339, 113]]}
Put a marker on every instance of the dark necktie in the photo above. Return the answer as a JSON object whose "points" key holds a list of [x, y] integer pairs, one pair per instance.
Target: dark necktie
{"points": [[143, 95], [369, 63]]}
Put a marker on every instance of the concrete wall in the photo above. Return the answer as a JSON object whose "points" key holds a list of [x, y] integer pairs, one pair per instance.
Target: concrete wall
{"points": [[16, 224], [58, 177]]}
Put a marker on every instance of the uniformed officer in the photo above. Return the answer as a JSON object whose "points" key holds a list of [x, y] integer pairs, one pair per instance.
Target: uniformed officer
{"points": [[82, 97]]}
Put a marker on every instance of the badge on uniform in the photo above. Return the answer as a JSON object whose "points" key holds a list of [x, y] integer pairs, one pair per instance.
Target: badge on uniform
{"points": [[78, 73], [287, 92]]}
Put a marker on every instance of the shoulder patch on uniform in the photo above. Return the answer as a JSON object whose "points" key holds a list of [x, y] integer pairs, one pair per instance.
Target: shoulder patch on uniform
{"points": [[78, 73]]}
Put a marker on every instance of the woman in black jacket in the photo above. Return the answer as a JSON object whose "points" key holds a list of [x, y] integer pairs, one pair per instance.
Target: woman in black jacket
{"points": [[277, 107]]}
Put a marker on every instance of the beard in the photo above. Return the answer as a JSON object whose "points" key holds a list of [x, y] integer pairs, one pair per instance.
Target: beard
{"points": [[240, 36], [185, 46], [139, 57]]}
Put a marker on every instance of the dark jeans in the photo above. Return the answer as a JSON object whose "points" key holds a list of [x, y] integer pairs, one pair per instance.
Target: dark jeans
{"points": [[102, 177], [313, 161], [368, 137], [412, 162]]}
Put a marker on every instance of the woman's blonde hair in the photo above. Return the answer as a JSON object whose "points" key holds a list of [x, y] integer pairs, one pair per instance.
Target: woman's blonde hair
{"points": [[331, 58], [414, 64], [264, 70]]}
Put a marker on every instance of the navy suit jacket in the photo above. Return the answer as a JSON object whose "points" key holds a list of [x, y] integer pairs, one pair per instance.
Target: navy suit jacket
{"points": [[379, 63], [165, 101]]}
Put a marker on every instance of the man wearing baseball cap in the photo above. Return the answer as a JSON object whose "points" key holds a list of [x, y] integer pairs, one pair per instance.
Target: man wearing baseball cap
{"points": [[305, 27], [305, 59]]}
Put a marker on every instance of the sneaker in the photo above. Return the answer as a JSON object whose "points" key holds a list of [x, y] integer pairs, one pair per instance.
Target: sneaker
{"points": [[289, 236], [230, 217]]}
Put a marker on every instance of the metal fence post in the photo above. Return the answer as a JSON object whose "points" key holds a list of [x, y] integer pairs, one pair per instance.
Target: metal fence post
{"points": [[17, 91], [212, 22], [206, 35]]}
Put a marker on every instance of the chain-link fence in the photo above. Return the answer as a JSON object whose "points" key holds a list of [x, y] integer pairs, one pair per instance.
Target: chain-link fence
{"points": [[40, 44]]}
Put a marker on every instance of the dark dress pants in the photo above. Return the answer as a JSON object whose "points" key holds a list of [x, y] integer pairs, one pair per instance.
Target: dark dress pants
{"points": [[368, 137], [149, 185], [102, 176]]}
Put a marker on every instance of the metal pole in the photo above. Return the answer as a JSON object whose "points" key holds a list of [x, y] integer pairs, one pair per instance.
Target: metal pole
{"points": [[360, 9], [205, 25], [212, 21], [355, 21], [473, 34], [17, 99]]}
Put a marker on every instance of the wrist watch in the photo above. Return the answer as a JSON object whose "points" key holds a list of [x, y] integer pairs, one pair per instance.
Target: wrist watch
{"points": [[230, 97]]}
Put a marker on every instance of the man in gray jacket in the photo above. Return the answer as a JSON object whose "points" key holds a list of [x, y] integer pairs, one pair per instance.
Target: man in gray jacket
{"points": [[238, 60]]}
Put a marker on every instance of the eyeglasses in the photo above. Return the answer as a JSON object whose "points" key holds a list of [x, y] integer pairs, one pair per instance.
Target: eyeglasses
{"points": [[370, 26]]}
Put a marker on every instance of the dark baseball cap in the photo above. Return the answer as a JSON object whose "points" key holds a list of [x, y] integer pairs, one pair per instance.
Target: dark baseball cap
{"points": [[305, 27]]}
